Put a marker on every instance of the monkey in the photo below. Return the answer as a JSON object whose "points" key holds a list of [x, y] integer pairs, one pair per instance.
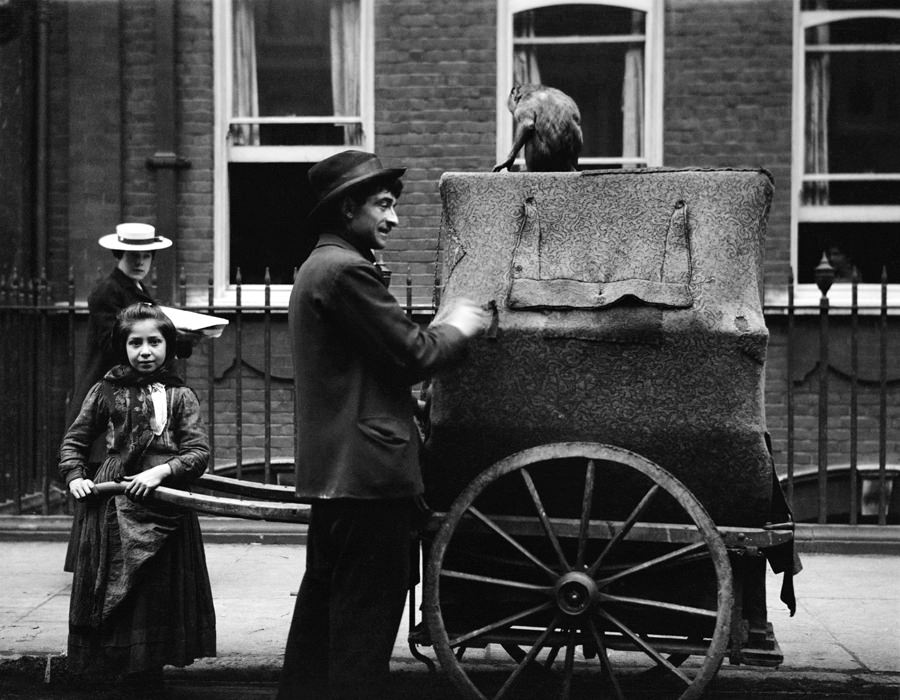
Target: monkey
{"points": [[548, 125]]}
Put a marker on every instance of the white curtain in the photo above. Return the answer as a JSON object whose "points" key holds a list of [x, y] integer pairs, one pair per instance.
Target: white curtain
{"points": [[345, 65], [245, 97], [525, 63], [818, 97], [633, 95]]}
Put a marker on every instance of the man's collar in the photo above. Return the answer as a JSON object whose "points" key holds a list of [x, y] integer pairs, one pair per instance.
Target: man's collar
{"points": [[331, 238]]}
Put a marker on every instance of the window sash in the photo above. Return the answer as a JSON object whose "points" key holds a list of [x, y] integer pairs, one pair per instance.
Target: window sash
{"points": [[226, 152], [829, 213]]}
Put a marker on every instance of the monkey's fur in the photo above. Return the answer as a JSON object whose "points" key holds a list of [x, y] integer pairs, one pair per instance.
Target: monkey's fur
{"points": [[547, 125]]}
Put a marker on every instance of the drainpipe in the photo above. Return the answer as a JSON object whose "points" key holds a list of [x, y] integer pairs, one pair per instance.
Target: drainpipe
{"points": [[41, 138], [164, 162]]}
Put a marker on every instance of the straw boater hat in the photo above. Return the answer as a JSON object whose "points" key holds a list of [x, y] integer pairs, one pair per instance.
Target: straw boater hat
{"points": [[138, 237], [336, 174]]}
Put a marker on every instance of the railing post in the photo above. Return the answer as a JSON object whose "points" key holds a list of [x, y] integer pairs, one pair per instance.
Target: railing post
{"points": [[70, 330], [211, 380], [409, 311], [238, 380], [43, 389], [790, 390], [6, 348], [267, 386], [18, 386], [854, 396], [824, 275], [182, 301], [882, 404], [70, 319], [29, 394]]}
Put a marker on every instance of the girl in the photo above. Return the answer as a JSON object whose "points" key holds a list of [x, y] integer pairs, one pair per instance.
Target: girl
{"points": [[140, 595], [134, 247]]}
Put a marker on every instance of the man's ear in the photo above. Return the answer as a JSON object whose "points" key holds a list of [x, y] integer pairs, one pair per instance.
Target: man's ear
{"points": [[348, 208]]}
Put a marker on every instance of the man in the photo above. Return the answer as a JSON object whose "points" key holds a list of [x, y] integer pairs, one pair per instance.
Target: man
{"points": [[356, 355]]}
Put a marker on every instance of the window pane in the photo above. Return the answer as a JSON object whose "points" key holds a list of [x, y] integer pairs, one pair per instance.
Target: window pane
{"points": [[269, 203], [864, 112], [592, 75], [852, 109], [285, 65], [293, 57], [867, 246], [600, 77], [578, 20]]}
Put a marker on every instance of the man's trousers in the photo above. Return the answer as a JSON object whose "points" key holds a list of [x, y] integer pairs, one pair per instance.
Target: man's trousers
{"points": [[351, 600]]}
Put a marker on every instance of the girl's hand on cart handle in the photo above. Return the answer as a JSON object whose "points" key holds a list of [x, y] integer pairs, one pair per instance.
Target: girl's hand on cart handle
{"points": [[141, 485], [81, 488]]}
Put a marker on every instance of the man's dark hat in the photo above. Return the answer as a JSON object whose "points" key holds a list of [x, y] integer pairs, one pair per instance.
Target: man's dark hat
{"points": [[336, 174]]}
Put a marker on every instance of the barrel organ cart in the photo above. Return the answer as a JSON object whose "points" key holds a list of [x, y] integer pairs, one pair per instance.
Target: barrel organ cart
{"points": [[602, 487]]}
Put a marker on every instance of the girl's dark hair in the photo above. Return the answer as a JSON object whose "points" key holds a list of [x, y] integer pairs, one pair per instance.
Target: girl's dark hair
{"points": [[117, 254], [142, 311]]}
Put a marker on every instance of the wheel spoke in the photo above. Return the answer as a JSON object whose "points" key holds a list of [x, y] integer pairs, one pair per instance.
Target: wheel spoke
{"points": [[529, 657], [650, 651], [650, 563], [568, 666], [551, 656], [449, 573], [513, 542], [506, 621], [586, 502], [681, 561], [657, 604], [545, 521], [604, 659], [626, 528]]}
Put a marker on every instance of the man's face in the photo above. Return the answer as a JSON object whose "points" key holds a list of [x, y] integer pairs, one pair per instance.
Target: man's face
{"points": [[371, 222], [136, 263]]}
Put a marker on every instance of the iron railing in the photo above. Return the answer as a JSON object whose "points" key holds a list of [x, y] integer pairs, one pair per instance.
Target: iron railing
{"points": [[846, 474]]}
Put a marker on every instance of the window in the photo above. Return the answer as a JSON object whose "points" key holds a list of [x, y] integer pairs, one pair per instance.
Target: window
{"points": [[294, 87], [607, 56], [846, 141]]}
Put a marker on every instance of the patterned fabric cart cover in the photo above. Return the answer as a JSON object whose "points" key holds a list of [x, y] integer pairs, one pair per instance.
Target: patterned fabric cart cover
{"points": [[628, 312]]}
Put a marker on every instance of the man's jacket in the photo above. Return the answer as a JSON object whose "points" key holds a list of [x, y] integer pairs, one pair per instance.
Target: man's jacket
{"points": [[356, 355]]}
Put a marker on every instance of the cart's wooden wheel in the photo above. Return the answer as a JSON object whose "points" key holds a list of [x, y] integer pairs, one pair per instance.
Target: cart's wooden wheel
{"points": [[578, 545]]}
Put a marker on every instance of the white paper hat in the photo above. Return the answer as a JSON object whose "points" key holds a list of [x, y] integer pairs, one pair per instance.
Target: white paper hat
{"points": [[138, 237]]}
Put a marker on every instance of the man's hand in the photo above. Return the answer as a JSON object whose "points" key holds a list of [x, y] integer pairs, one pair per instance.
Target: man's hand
{"points": [[467, 317], [141, 485], [81, 488]]}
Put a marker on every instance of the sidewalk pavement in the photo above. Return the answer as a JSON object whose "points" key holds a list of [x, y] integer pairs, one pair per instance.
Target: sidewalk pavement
{"points": [[846, 629]]}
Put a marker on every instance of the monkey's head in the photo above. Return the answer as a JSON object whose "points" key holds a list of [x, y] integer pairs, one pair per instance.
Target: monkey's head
{"points": [[519, 90]]}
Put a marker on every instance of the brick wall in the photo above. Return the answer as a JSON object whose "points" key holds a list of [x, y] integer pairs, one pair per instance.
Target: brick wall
{"points": [[194, 73], [435, 83], [15, 143], [728, 98]]}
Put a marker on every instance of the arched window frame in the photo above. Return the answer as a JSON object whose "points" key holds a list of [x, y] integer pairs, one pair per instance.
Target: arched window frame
{"points": [[652, 134]]}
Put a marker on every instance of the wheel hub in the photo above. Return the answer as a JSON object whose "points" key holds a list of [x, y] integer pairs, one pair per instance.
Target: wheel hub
{"points": [[575, 592]]}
